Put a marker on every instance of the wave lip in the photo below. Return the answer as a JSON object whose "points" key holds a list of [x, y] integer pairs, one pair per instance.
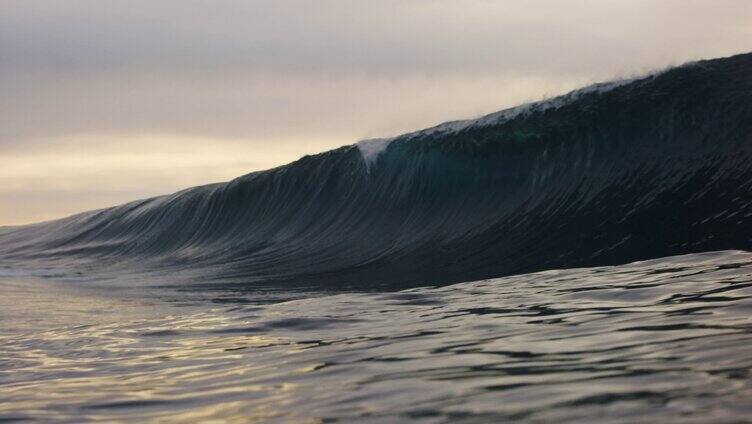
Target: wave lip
{"points": [[371, 148], [623, 171]]}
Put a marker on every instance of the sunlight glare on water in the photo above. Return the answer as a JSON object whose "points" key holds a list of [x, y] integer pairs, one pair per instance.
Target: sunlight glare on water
{"points": [[666, 339]]}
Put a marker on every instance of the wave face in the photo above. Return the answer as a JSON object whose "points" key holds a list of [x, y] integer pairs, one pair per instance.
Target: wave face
{"points": [[647, 168]]}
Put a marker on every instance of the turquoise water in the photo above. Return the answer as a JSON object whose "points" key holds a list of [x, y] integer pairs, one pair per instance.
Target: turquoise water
{"points": [[666, 340]]}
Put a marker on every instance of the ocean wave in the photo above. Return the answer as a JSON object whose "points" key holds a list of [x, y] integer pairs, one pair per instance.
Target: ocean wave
{"points": [[635, 169]]}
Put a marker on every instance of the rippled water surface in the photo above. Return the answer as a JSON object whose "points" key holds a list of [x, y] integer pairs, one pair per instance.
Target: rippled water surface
{"points": [[662, 340]]}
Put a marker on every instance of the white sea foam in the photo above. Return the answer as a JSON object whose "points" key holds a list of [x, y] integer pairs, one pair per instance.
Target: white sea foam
{"points": [[371, 148], [528, 108]]}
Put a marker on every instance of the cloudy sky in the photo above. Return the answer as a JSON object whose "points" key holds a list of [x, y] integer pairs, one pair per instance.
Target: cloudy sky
{"points": [[108, 101]]}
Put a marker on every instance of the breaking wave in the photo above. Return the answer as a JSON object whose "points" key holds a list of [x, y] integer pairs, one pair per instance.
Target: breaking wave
{"points": [[637, 169]]}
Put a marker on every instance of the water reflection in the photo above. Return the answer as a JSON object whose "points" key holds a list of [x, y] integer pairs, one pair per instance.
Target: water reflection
{"points": [[651, 341]]}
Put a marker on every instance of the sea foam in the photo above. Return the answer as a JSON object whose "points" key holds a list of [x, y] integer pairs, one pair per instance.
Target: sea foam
{"points": [[371, 148]]}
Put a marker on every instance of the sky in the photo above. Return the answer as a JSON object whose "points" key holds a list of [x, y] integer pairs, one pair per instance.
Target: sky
{"points": [[103, 102]]}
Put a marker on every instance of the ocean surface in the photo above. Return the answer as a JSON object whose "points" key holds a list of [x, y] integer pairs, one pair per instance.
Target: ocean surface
{"points": [[665, 340], [582, 258]]}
